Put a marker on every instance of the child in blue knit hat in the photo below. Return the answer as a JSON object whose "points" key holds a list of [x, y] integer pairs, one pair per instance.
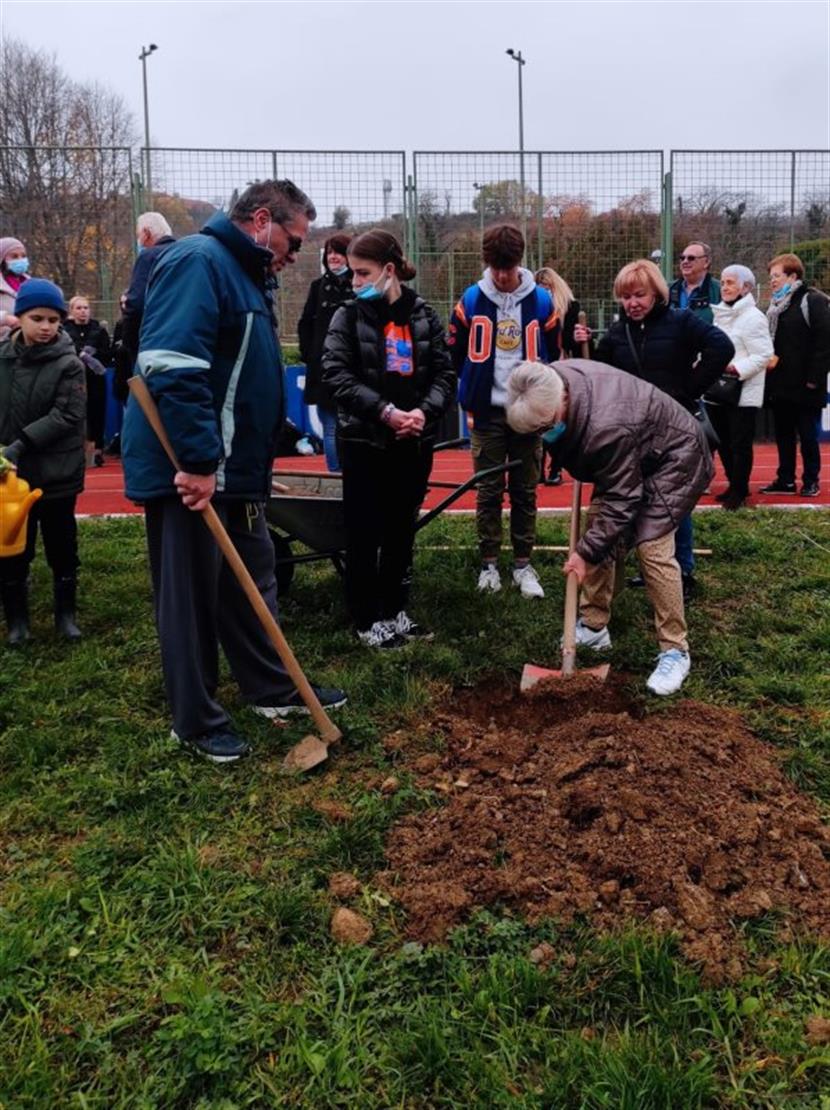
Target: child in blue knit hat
{"points": [[42, 416]]}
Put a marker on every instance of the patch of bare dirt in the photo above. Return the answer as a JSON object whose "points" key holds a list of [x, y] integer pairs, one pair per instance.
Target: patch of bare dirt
{"points": [[571, 801]]}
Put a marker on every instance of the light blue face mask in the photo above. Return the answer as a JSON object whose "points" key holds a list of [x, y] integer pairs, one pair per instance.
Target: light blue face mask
{"points": [[553, 434], [18, 266], [371, 292], [339, 273], [139, 246], [779, 294]]}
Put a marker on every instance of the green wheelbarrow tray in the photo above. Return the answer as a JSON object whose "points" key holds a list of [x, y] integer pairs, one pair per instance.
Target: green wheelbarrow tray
{"points": [[307, 508]]}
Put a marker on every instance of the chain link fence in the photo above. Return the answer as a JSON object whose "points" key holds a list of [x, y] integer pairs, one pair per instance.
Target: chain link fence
{"points": [[585, 214], [751, 205], [351, 190], [73, 209]]}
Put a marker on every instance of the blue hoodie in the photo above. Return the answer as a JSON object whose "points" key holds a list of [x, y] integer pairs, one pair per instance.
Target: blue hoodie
{"points": [[210, 356]]}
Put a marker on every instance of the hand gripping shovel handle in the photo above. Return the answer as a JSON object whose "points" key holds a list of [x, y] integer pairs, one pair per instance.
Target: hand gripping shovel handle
{"points": [[328, 730]]}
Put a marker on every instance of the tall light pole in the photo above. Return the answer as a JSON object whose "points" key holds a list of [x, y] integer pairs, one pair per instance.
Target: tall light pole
{"points": [[516, 55], [478, 188], [146, 51]]}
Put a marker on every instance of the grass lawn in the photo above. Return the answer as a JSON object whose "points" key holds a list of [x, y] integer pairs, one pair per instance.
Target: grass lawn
{"points": [[164, 924]]}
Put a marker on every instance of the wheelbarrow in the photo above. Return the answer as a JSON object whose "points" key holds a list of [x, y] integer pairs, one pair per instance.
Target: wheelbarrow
{"points": [[306, 508]]}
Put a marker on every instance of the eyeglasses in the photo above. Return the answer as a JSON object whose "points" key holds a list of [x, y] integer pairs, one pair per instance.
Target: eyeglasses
{"points": [[691, 257], [294, 241]]}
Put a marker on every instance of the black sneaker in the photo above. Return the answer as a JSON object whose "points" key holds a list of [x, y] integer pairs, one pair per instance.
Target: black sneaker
{"points": [[637, 582], [727, 493], [329, 698], [219, 746], [689, 586], [778, 487], [810, 489]]}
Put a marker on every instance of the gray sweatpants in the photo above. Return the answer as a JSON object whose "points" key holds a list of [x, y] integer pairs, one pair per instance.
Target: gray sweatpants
{"points": [[199, 604]]}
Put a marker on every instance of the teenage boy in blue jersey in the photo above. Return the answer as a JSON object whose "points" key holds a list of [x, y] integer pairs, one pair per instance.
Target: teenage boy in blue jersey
{"points": [[504, 319]]}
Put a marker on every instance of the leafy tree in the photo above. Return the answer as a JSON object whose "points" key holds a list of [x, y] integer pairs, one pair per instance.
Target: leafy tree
{"points": [[341, 217]]}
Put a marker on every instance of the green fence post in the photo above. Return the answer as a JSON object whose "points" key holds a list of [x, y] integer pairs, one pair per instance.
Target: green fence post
{"points": [[667, 259], [540, 208], [792, 199]]}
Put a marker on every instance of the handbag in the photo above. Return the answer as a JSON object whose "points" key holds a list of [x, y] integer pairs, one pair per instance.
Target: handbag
{"points": [[725, 391]]}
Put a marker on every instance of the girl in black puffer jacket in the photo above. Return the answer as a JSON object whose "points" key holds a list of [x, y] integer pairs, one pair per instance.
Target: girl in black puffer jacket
{"points": [[388, 369]]}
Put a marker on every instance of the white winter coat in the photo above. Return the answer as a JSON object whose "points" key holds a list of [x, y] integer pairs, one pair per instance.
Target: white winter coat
{"points": [[748, 328]]}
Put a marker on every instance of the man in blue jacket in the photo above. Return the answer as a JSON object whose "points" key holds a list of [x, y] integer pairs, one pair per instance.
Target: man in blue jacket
{"points": [[210, 356]]}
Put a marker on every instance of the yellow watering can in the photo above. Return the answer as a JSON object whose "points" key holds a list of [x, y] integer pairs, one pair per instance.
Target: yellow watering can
{"points": [[15, 501]]}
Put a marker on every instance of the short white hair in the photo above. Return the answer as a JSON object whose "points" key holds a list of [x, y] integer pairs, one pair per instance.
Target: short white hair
{"points": [[153, 222], [534, 397], [742, 274]]}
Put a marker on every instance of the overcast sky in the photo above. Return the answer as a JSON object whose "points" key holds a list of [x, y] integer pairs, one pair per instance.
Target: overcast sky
{"points": [[435, 76]]}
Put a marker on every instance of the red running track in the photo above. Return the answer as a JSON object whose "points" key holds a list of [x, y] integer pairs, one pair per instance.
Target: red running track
{"points": [[104, 493]]}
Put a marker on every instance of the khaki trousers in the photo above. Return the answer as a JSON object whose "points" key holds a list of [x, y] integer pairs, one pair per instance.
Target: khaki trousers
{"points": [[664, 587]]}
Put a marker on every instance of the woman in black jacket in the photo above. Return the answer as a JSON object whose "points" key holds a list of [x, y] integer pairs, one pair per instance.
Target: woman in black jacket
{"points": [[672, 348], [799, 320], [92, 346], [325, 295], [388, 368]]}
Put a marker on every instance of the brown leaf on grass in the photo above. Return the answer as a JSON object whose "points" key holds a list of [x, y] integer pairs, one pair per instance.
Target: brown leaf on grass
{"points": [[331, 810], [342, 884], [818, 1030], [348, 927]]}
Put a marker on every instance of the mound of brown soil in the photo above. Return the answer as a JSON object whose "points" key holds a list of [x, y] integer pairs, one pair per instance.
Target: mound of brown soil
{"points": [[569, 802]]}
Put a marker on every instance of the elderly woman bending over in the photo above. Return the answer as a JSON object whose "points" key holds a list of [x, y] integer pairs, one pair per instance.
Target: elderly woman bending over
{"points": [[649, 462], [746, 326]]}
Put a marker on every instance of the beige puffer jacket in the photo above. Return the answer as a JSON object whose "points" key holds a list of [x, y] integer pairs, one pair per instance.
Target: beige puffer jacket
{"points": [[645, 454]]}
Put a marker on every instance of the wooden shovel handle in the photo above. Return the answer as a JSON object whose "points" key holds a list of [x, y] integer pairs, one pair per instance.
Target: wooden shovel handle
{"points": [[328, 730], [584, 346], [571, 587]]}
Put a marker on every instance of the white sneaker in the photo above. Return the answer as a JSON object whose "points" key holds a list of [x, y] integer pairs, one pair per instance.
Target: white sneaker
{"points": [[527, 580], [403, 625], [669, 674], [489, 578], [382, 635], [597, 638]]}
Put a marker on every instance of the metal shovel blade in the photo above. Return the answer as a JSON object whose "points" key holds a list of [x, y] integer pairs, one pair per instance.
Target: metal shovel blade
{"points": [[532, 675], [310, 752]]}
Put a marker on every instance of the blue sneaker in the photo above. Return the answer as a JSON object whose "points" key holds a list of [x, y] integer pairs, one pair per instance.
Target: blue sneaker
{"points": [[222, 745], [328, 698]]}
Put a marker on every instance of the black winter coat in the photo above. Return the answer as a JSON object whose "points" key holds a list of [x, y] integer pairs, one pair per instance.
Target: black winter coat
{"points": [[90, 334], [43, 402], [325, 296], [354, 370], [800, 375], [667, 344]]}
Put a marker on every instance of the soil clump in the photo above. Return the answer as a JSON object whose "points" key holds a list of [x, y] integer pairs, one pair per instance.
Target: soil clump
{"points": [[573, 801]]}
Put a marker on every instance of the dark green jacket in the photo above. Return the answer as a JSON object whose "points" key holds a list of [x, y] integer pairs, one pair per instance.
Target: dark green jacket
{"points": [[43, 403]]}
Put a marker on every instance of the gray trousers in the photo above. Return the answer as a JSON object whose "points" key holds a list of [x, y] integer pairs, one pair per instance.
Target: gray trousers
{"points": [[199, 604]]}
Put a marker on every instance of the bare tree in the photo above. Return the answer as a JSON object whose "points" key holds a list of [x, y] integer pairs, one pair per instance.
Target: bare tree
{"points": [[65, 173]]}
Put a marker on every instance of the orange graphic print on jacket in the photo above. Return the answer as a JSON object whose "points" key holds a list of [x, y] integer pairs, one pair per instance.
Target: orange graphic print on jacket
{"points": [[399, 349]]}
